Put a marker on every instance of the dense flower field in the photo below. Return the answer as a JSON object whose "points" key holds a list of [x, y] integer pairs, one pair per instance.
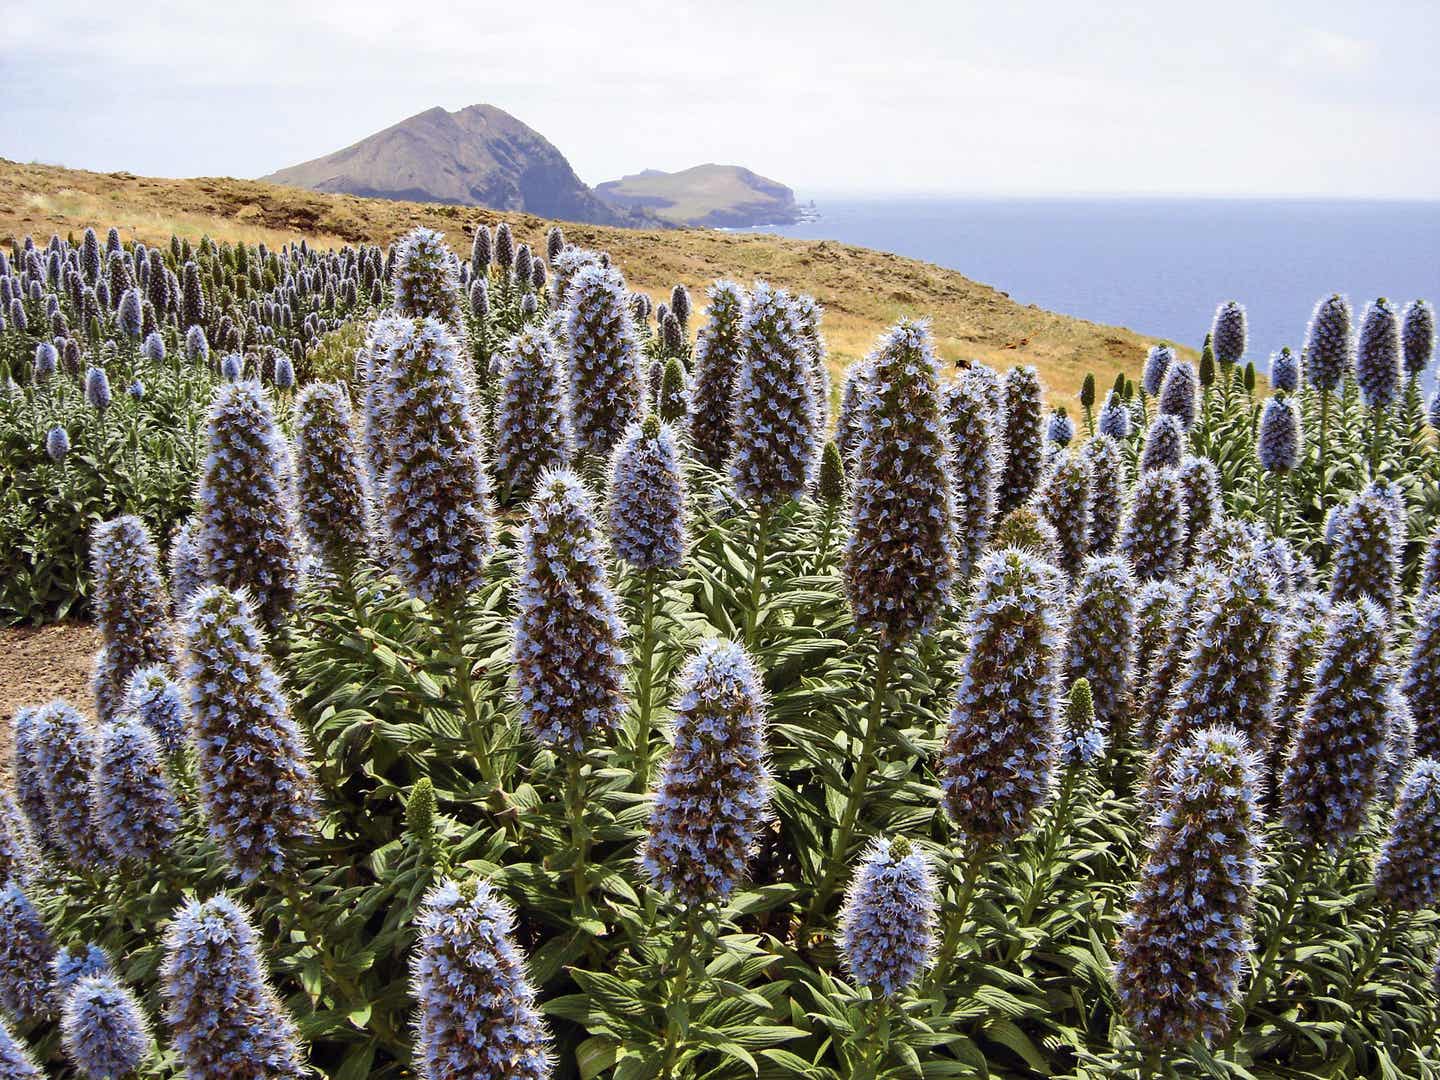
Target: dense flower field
{"points": [[559, 690]]}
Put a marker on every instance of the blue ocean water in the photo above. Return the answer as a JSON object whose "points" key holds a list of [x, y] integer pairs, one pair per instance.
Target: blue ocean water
{"points": [[1161, 265]]}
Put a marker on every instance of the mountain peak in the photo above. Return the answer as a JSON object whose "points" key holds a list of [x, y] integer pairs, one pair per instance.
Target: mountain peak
{"points": [[476, 156]]}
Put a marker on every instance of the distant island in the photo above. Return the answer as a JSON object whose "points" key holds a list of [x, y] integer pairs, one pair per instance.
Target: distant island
{"points": [[482, 156], [716, 196]]}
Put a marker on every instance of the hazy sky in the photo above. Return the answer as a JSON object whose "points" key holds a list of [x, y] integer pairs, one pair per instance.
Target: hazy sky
{"points": [[936, 96]]}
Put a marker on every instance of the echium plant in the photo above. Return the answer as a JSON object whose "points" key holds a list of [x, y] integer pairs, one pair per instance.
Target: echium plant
{"points": [[569, 660], [1302, 635], [1278, 447], [1101, 640], [712, 800], [64, 748], [646, 509], [1430, 569], [856, 390], [1023, 438], [1178, 393], [219, 1005], [1157, 365], [1407, 872], [898, 564], [1164, 444], [1422, 675], [331, 485], [477, 1016], [606, 393], [246, 509], [73, 963], [887, 923], [1184, 941], [131, 608], [1365, 559], [104, 1030], [1285, 371], [717, 356], [1153, 535], [1167, 665], [1334, 765], [1377, 368], [973, 472], [1000, 744], [532, 421], [26, 954], [1157, 606], [1417, 337], [1329, 344], [1064, 502], [29, 776], [1106, 465], [18, 854], [16, 1061], [1200, 491], [436, 489], [135, 810], [156, 701], [1115, 419], [427, 277], [255, 781], [1228, 335], [1229, 672], [776, 431]]}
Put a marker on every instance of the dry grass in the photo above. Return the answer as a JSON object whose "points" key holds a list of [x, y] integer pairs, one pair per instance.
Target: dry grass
{"points": [[863, 291]]}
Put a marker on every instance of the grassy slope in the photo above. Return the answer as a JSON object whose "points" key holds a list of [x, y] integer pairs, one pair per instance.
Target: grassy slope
{"points": [[863, 291]]}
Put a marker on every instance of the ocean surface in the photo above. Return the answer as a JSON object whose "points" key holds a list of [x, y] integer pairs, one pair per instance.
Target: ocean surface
{"points": [[1161, 265]]}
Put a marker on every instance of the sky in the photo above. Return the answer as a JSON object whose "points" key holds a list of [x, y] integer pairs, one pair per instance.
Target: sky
{"points": [[1029, 97]]}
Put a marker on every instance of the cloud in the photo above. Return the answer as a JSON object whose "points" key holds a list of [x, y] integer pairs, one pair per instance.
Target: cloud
{"points": [[1328, 52]]}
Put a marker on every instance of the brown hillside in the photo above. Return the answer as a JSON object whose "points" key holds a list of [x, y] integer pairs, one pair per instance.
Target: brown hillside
{"points": [[863, 291]]}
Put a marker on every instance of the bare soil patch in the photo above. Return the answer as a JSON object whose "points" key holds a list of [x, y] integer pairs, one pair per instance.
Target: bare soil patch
{"points": [[41, 663]]}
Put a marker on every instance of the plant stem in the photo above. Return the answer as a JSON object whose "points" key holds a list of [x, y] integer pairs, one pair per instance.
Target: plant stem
{"points": [[1277, 498], [675, 1033], [1054, 831], [757, 577], [455, 627], [1376, 416], [1264, 969], [644, 692], [955, 922], [1324, 442], [579, 830], [855, 795]]}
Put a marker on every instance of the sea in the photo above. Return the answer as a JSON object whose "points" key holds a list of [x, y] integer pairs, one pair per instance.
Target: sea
{"points": [[1160, 266]]}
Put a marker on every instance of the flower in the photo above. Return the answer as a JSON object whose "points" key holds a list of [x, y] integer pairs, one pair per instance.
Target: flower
{"points": [[1334, 767], [1178, 393], [776, 429], [135, 809], [1002, 738], [97, 389], [646, 508], [718, 348], [1168, 646], [57, 443], [246, 506], [436, 490], [532, 422], [104, 1030], [1164, 444], [1114, 419], [1278, 446], [255, 781], [219, 1005], [856, 392], [1417, 336], [1377, 355], [1101, 640], [1024, 447], [569, 663], [1368, 535], [76, 962], [605, 388], [26, 953], [1329, 347], [1153, 536], [187, 571], [63, 750], [15, 1060], [1184, 941], [887, 923], [1157, 365], [1227, 336], [477, 1012], [1407, 872], [1106, 465], [331, 483], [713, 795], [1064, 502], [1421, 684], [426, 277], [898, 564], [131, 608], [974, 471], [1285, 371], [1082, 738]]}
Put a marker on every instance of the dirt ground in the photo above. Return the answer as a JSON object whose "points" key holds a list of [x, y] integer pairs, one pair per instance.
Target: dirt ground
{"points": [[37, 664]]}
